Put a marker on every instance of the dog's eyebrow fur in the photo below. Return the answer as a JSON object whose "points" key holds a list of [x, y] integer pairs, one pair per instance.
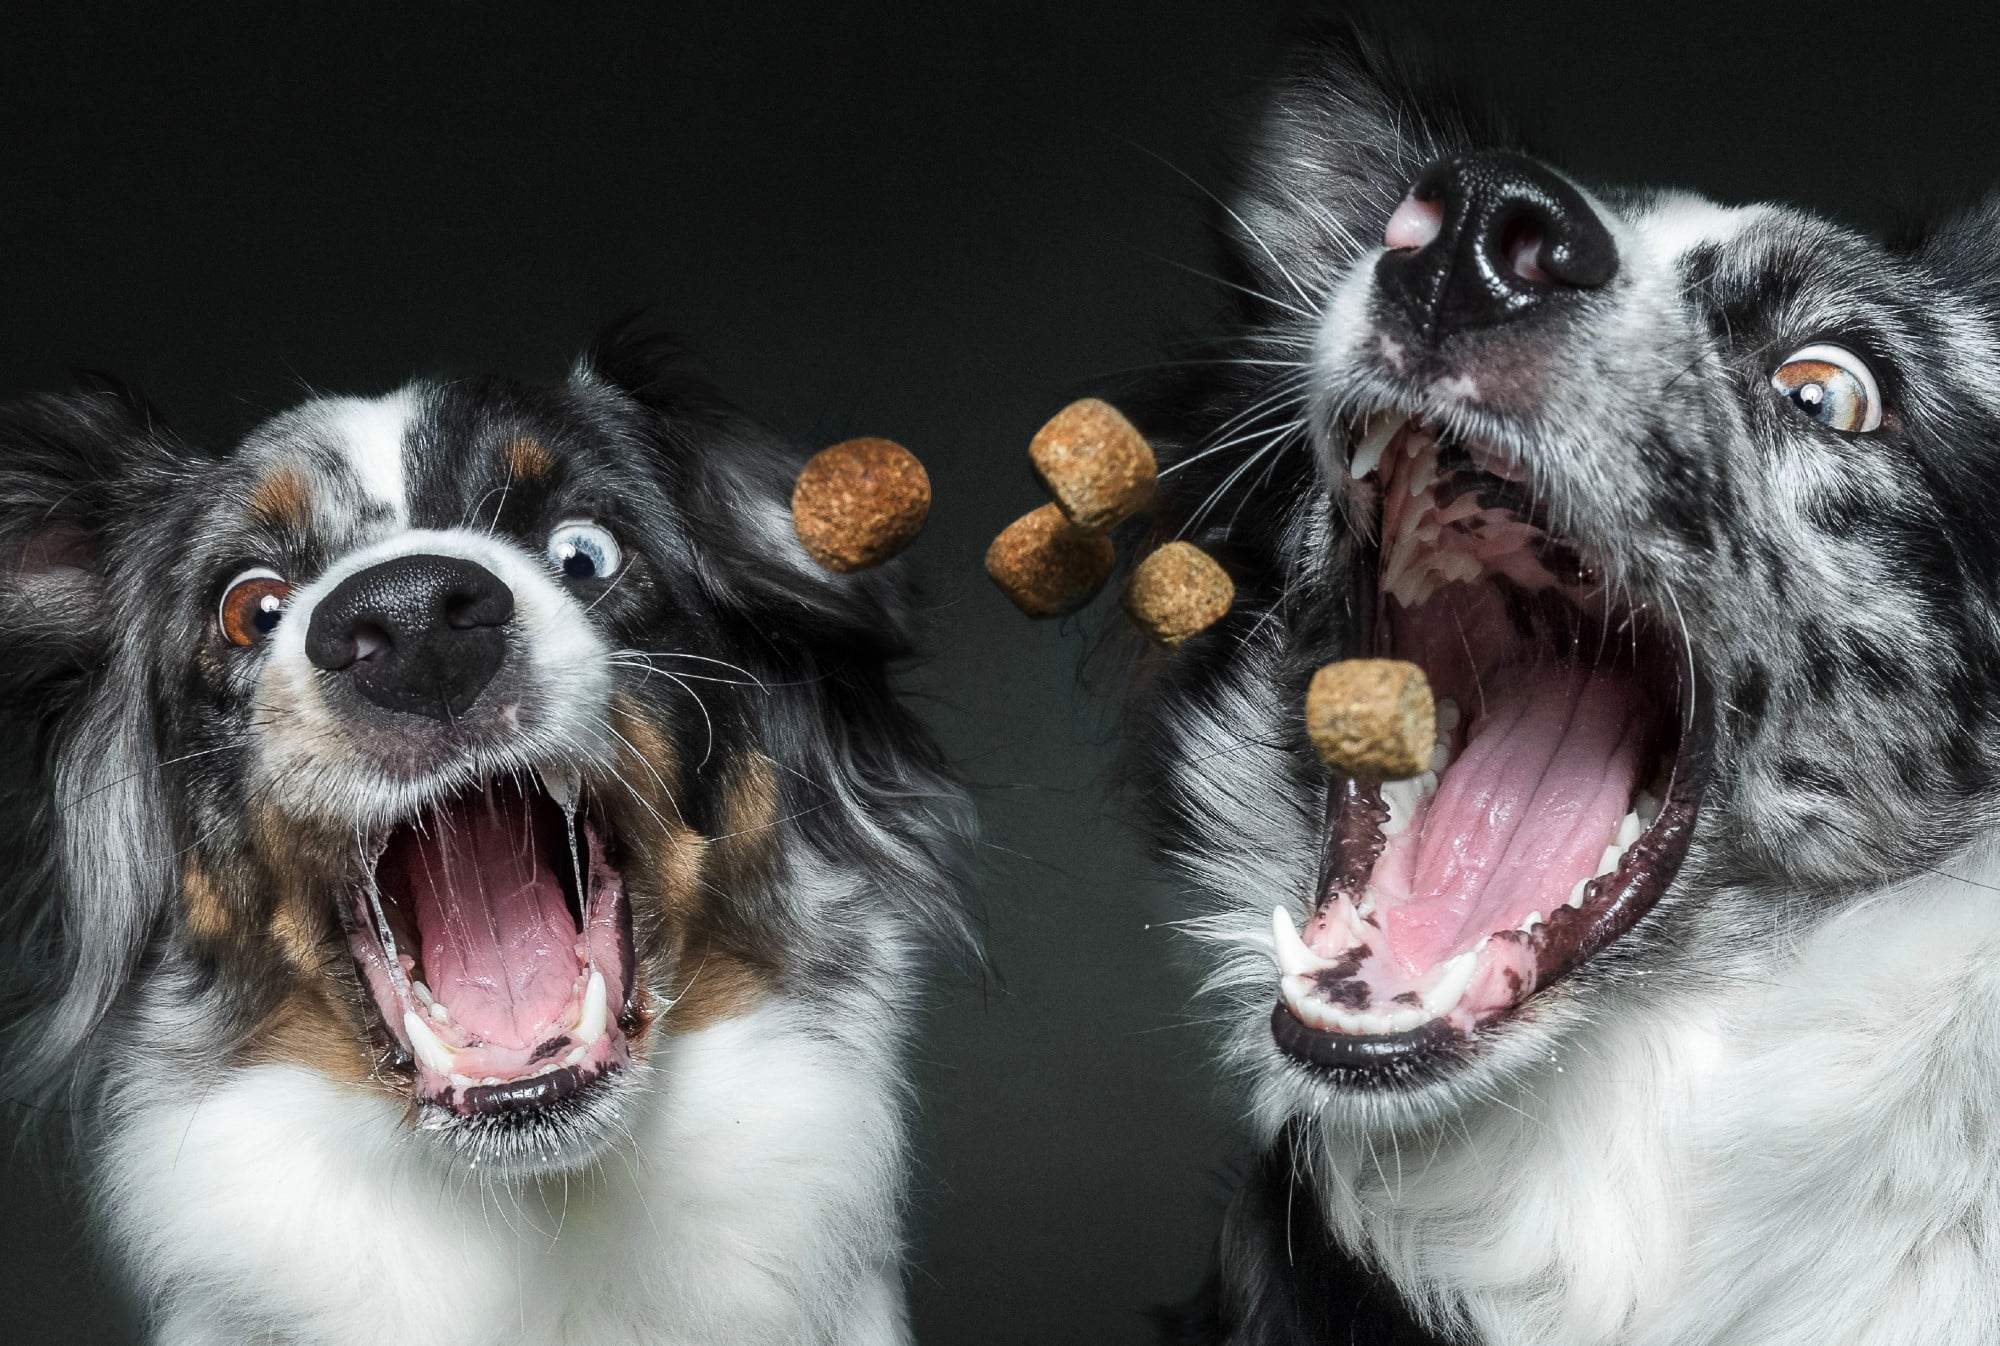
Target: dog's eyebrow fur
{"points": [[528, 459], [282, 497]]}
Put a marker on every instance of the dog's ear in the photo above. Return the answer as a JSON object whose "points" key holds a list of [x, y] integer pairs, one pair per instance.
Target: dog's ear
{"points": [[67, 465], [733, 482], [1347, 127]]}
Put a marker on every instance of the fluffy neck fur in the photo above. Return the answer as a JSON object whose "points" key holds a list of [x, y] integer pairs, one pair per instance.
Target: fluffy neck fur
{"points": [[1798, 1153], [757, 1202]]}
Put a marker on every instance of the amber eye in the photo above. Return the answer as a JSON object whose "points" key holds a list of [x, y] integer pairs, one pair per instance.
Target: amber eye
{"points": [[252, 606], [1831, 385]]}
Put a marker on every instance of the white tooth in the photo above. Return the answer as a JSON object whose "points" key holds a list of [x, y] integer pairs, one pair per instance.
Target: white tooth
{"points": [[1368, 452], [1295, 957], [1447, 715], [1453, 978], [1440, 757], [563, 783], [1403, 1020], [1608, 861], [490, 1081], [1647, 806], [462, 1081], [1529, 922], [575, 1058], [590, 1023], [1427, 785], [1629, 829], [1422, 476], [421, 991], [1401, 796], [426, 1045], [439, 1012], [1576, 893]]}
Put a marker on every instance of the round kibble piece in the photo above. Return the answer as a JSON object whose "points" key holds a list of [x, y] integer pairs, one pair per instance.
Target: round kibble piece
{"points": [[1047, 565], [1372, 719], [859, 503], [1177, 591], [1095, 464]]}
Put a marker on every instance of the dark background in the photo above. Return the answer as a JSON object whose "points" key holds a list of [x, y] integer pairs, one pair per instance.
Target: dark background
{"points": [[933, 222]]}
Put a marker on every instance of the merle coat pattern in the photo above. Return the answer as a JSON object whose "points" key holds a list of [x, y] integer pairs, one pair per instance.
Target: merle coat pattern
{"points": [[1764, 1111], [261, 1156]]}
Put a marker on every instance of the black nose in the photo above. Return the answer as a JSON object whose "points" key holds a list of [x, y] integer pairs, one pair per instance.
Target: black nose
{"points": [[418, 634], [1510, 237]]}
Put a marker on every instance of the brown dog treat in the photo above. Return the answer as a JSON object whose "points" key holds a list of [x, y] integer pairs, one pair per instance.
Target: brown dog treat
{"points": [[1047, 565], [1177, 591], [1095, 464], [859, 503], [1372, 719]]}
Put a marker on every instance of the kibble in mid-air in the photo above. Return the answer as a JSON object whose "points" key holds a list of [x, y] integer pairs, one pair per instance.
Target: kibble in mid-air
{"points": [[859, 503], [1177, 591], [1096, 465], [1047, 565], [1372, 719]]}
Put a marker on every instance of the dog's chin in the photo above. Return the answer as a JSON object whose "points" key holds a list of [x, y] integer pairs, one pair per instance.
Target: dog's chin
{"points": [[492, 930], [1561, 795]]}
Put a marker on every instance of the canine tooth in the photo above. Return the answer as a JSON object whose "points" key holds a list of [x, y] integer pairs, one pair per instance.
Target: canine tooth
{"points": [[1444, 993], [1422, 476], [1609, 860], [426, 1045], [1629, 828], [563, 783], [590, 1023], [1367, 454], [1447, 715], [1576, 893], [1295, 957]]}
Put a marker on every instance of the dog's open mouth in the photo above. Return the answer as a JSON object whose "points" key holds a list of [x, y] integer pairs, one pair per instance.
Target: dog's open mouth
{"points": [[493, 930], [1562, 787]]}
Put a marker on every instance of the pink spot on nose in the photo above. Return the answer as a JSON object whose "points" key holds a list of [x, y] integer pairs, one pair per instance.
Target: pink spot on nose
{"points": [[1414, 224]]}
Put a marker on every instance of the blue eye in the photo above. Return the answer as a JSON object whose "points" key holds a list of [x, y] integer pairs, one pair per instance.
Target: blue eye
{"points": [[584, 551]]}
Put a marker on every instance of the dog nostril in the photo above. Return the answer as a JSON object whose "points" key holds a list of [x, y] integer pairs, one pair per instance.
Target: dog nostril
{"points": [[1415, 224], [459, 612], [1521, 243], [370, 642]]}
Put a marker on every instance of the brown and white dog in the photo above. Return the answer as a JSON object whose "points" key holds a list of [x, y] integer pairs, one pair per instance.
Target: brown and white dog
{"points": [[482, 868]]}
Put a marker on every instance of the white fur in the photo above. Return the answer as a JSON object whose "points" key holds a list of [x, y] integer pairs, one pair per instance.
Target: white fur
{"points": [[754, 1203], [1785, 1156], [369, 433]]}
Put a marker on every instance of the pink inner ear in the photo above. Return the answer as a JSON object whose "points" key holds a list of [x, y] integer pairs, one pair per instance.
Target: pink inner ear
{"points": [[57, 547]]}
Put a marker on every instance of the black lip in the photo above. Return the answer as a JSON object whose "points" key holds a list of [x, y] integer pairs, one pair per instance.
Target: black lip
{"points": [[530, 1095]]}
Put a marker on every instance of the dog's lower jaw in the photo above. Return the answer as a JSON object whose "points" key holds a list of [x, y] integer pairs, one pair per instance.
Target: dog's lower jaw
{"points": [[1786, 1156], [276, 1204]]}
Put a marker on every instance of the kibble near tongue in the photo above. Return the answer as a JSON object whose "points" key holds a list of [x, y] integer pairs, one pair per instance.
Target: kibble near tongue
{"points": [[1522, 813], [498, 941]]}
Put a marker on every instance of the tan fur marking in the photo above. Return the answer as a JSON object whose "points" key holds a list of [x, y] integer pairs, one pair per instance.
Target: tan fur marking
{"points": [[743, 854], [311, 1029], [714, 985], [527, 459], [283, 498], [208, 914]]}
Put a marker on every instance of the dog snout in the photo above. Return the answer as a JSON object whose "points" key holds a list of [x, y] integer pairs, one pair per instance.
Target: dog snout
{"points": [[419, 634], [1484, 239]]}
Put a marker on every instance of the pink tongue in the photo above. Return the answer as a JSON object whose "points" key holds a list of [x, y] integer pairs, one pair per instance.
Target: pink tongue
{"points": [[1522, 814], [499, 943]]}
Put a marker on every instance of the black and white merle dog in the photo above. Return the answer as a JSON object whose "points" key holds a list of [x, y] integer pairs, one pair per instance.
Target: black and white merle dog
{"points": [[1665, 1008], [482, 867]]}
